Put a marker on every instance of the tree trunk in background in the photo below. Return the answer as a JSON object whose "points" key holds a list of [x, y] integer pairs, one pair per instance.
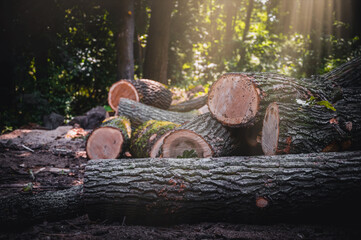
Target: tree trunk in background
{"points": [[7, 66], [230, 10], [156, 55], [125, 56], [245, 32]]}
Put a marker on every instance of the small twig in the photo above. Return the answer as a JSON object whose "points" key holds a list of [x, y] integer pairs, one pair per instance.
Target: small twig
{"points": [[27, 148]]}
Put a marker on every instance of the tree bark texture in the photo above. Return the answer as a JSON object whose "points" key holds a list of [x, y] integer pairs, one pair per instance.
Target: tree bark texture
{"points": [[291, 128], [125, 36], [156, 55], [189, 105], [220, 140], [153, 93], [148, 138], [21, 210], [139, 113], [144, 90], [261, 89], [236, 189]]}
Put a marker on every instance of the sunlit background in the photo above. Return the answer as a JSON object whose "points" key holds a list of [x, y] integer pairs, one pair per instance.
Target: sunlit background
{"points": [[60, 56]]}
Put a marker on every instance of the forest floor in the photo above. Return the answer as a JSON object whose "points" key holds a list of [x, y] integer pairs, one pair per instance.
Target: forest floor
{"points": [[32, 161]]}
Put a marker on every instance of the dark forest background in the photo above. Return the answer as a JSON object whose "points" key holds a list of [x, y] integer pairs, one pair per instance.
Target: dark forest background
{"points": [[63, 55]]}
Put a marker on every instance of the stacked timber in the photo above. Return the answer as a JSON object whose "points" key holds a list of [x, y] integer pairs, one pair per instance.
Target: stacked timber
{"points": [[249, 113]]}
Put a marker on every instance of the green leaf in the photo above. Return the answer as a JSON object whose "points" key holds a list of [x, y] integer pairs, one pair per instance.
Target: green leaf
{"points": [[28, 187], [108, 108]]}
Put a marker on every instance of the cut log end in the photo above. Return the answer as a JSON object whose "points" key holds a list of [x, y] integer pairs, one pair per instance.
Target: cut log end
{"points": [[121, 89], [156, 149], [105, 143], [234, 100], [270, 130], [179, 141]]}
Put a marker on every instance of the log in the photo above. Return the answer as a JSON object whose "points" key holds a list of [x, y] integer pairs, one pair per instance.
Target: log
{"points": [[110, 140], [139, 113], [258, 189], [147, 139], [23, 209], [189, 105], [204, 135], [291, 128], [240, 99], [348, 75], [143, 90]]}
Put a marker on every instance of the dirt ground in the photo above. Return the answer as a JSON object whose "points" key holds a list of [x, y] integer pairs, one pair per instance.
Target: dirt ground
{"points": [[38, 160]]}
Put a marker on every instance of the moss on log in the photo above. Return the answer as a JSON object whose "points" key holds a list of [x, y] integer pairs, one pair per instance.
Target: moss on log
{"points": [[147, 139], [139, 113]]}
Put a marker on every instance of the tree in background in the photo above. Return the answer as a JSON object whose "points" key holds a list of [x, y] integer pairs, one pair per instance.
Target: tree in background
{"points": [[156, 56], [62, 56]]}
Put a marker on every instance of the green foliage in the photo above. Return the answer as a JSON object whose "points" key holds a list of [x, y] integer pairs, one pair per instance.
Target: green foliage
{"points": [[189, 154], [108, 108], [63, 53], [28, 187]]}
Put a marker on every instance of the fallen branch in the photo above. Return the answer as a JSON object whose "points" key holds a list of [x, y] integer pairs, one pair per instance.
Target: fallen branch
{"points": [[189, 105]]}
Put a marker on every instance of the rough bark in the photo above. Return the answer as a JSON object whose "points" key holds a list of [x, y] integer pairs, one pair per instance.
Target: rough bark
{"points": [[291, 128], [249, 94], [110, 140], [156, 55], [189, 105], [144, 90], [237, 189], [139, 113], [205, 136], [24, 209], [147, 139], [153, 93]]}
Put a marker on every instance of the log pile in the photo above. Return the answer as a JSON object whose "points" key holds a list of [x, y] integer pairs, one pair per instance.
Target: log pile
{"points": [[316, 119], [249, 113]]}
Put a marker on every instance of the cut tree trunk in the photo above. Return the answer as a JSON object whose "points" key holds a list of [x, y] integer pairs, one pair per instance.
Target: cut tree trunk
{"points": [[290, 128], [236, 189], [147, 139], [205, 136], [144, 90], [139, 113], [21, 210], [240, 99], [110, 140], [189, 105]]}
